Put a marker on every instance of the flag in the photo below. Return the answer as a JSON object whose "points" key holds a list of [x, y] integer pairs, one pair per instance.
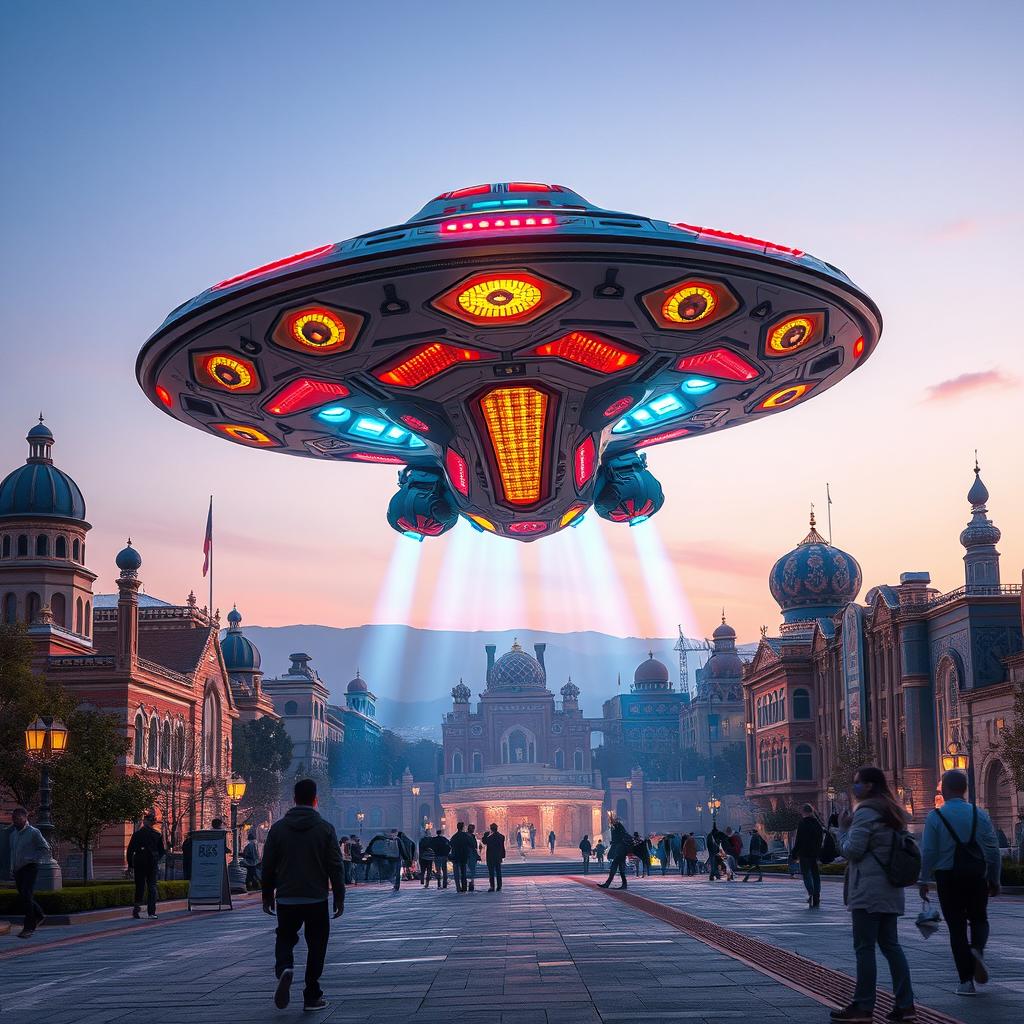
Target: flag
{"points": [[208, 540]]}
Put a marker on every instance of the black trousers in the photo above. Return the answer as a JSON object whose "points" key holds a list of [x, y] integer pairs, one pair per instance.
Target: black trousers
{"points": [[494, 874], [459, 868], [145, 882], [426, 867], [964, 901], [441, 867], [25, 880], [617, 864], [291, 917], [586, 863]]}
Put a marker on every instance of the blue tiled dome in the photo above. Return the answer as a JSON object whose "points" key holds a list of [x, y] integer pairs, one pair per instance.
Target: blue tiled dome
{"points": [[240, 653], [38, 488], [516, 670], [815, 579], [128, 559]]}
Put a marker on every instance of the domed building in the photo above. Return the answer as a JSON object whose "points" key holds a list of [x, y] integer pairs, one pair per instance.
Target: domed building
{"points": [[242, 661], [518, 759], [300, 701]]}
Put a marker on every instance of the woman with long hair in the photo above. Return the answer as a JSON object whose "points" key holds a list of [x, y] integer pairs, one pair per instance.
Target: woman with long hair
{"points": [[866, 840]]}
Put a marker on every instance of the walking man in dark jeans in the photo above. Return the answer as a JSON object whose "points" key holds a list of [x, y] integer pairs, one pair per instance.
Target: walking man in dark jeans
{"points": [[463, 845], [586, 850], [28, 848], [145, 851], [618, 850], [960, 850], [806, 850], [757, 849], [494, 842], [300, 857]]}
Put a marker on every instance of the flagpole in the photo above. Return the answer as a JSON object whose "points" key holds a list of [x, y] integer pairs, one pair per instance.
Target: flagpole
{"points": [[828, 494], [211, 556]]}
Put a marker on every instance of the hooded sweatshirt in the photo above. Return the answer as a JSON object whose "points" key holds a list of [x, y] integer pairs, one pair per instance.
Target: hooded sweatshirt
{"points": [[300, 857]]}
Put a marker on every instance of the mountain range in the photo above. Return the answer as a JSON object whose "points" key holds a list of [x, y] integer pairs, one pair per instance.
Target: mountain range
{"points": [[412, 671]]}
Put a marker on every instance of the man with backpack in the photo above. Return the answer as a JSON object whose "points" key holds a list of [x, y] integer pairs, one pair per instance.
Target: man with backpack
{"points": [[806, 850], [959, 849]]}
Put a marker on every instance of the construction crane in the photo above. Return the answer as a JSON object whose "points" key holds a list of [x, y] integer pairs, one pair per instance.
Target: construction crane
{"points": [[684, 645]]}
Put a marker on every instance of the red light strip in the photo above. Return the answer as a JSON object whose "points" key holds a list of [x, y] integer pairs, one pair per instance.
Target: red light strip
{"points": [[590, 350], [669, 435], [718, 362], [460, 193], [458, 471], [529, 186], [730, 236], [503, 223], [303, 394], [385, 460], [417, 366], [583, 462], [269, 268]]}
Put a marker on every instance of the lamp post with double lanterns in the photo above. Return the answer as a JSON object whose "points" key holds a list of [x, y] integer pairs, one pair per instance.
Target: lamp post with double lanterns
{"points": [[236, 790], [957, 759], [713, 805], [46, 740]]}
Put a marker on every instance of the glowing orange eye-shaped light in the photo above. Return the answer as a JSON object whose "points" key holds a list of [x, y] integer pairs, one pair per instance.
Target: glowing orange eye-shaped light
{"points": [[226, 371], [786, 396], [690, 305], [791, 335], [500, 298], [247, 434], [318, 330]]}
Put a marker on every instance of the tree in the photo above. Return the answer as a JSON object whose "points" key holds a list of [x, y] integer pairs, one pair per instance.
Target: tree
{"points": [[854, 751], [174, 785], [89, 792], [24, 696], [261, 754], [1011, 741], [783, 819]]}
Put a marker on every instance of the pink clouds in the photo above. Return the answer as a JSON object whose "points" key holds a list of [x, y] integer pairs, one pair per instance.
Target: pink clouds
{"points": [[966, 383]]}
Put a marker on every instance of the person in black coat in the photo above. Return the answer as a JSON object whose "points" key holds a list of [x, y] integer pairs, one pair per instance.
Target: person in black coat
{"points": [[145, 850], [806, 850], [586, 850], [494, 843], [463, 846], [442, 851], [618, 850]]}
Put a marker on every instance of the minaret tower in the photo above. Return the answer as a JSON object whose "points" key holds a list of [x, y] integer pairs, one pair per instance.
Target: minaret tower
{"points": [[979, 538]]}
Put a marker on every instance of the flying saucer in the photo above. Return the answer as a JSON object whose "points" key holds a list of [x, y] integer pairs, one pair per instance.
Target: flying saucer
{"points": [[514, 348]]}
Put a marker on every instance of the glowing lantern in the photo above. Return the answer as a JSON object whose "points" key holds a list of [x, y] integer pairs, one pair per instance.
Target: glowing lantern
{"points": [[516, 420], [35, 737], [590, 350], [418, 365], [236, 789], [302, 394]]}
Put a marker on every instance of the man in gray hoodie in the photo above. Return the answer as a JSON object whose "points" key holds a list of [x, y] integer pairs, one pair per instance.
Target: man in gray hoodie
{"points": [[300, 857], [28, 848]]}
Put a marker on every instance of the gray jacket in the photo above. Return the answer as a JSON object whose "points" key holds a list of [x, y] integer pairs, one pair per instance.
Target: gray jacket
{"points": [[27, 847], [866, 845]]}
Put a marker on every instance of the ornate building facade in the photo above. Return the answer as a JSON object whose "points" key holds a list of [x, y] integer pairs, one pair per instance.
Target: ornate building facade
{"points": [[712, 721], [518, 759]]}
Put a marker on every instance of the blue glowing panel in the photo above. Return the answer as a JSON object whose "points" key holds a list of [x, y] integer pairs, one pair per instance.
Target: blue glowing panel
{"points": [[697, 386], [334, 414], [655, 412]]}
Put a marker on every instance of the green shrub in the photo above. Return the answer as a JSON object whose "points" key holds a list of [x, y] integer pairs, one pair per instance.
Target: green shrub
{"points": [[1013, 873], [99, 896]]}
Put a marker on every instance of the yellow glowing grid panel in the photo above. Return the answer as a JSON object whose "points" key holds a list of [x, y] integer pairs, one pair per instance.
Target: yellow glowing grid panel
{"points": [[516, 419], [500, 298]]}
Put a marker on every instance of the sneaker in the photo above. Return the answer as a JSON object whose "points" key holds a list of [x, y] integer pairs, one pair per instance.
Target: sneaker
{"points": [[966, 988], [26, 933], [316, 1004], [905, 1013], [852, 1013], [151, 916], [980, 970], [283, 993]]}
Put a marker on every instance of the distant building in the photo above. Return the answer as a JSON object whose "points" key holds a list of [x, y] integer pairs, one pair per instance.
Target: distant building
{"points": [[713, 719], [359, 715], [300, 701], [242, 660]]}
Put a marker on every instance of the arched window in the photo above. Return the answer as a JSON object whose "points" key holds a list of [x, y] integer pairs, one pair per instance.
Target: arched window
{"points": [[59, 609], [179, 748], [32, 606], [153, 751], [22, 546], [577, 761], [517, 749], [10, 609], [138, 754], [801, 705], [76, 550], [7, 546], [291, 708], [165, 747], [83, 551], [457, 763], [803, 763], [784, 763], [211, 734], [60, 547], [478, 761], [87, 621], [559, 758], [42, 546], [782, 705], [79, 629]]}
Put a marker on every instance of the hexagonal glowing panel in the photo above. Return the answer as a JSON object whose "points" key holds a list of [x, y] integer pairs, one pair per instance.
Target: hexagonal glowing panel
{"points": [[415, 366], [302, 394], [226, 371], [691, 304], [718, 362], [316, 330], [501, 298], [517, 420], [245, 433], [594, 351], [784, 396], [793, 333]]}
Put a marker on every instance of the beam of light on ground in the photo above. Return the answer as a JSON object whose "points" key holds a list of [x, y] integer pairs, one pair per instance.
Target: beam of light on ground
{"points": [[669, 605]]}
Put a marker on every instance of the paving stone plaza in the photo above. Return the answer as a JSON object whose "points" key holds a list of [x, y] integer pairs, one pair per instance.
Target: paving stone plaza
{"points": [[545, 950]]}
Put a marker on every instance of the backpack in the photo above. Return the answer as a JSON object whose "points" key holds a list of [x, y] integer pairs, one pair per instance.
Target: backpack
{"points": [[903, 868], [829, 848], [968, 858]]}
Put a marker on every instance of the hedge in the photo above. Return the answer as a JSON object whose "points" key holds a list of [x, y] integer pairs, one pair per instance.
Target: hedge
{"points": [[90, 897]]}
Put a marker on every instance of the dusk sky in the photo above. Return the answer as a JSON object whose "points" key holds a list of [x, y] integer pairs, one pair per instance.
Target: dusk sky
{"points": [[151, 149]]}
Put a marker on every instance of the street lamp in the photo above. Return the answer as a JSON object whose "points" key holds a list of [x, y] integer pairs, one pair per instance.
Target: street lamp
{"points": [[831, 794], [415, 790], [236, 790], [700, 811], [713, 804], [954, 758], [360, 817], [46, 739], [629, 783]]}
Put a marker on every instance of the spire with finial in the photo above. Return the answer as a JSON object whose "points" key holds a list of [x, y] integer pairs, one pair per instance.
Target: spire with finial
{"points": [[515, 644], [979, 537], [813, 537], [723, 616]]}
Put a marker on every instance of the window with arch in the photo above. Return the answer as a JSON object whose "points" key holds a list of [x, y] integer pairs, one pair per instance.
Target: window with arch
{"points": [[10, 609], [478, 761], [784, 763], [83, 550], [457, 763], [577, 760], [211, 733], [782, 705], [87, 619], [559, 758], [291, 708], [6, 550], [801, 704], [76, 550], [165, 747], [32, 606], [947, 702], [803, 763], [179, 747], [153, 751], [59, 608], [42, 546], [23, 546], [517, 748], [79, 629], [139, 752], [60, 547]]}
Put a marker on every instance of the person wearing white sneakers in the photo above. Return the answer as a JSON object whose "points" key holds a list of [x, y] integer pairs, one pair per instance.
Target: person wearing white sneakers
{"points": [[959, 849]]}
